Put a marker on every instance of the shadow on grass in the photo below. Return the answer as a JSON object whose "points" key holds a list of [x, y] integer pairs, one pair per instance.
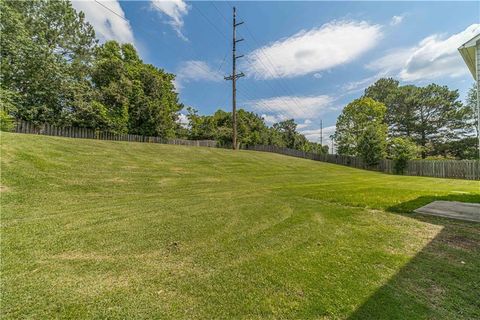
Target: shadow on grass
{"points": [[442, 281], [409, 206]]}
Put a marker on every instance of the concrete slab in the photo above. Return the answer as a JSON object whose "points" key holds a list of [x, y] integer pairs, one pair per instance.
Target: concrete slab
{"points": [[452, 209]]}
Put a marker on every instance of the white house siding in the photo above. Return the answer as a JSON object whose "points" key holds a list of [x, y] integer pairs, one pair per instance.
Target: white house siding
{"points": [[477, 54]]}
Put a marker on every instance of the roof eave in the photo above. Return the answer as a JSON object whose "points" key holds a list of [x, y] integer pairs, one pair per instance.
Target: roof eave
{"points": [[468, 55], [471, 43]]}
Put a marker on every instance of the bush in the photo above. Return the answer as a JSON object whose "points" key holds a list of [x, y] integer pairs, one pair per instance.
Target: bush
{"points": [[401, 150], [7, 108], [6, 121]]}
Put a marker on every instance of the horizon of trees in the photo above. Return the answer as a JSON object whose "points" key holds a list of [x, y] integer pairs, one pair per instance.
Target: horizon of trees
{"points": [[251, 129]]}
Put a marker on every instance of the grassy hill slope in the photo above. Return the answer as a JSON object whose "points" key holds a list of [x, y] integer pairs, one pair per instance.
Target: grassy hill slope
{"points": [[101, 229]]}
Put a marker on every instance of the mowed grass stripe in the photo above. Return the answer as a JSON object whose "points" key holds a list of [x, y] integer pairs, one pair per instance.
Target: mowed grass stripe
{"points": [[104, 229]]}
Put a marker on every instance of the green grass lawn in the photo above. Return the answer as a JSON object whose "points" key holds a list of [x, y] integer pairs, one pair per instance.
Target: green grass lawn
{"points": [[118, 230]]}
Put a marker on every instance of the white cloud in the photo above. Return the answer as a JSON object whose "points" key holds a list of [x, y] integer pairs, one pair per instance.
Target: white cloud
{"points": [[270, 119], [434, 57], [396, 20], [393, 60], [313, 134], [107, 24], [317, 75], [195, 70], [183, 120], [313, 50], [359, 85], [310, 129], [296, 107], [175, 10], [301, 126], [305, 124]]}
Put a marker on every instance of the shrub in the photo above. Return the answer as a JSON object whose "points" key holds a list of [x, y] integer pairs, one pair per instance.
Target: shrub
{"points": [[401, 150], [6, 121], [7, 108], [372, 144]]}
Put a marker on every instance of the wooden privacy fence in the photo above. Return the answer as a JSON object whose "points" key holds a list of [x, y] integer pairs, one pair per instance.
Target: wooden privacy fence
{"points": [[87, 133], [460, 169]]}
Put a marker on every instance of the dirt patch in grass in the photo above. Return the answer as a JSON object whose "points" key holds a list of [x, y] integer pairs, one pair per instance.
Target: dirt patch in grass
{"points": [[435, 291], [179, 170], [164, 181], [97, 285], [82, 256], [116, 180], [461, 242]]}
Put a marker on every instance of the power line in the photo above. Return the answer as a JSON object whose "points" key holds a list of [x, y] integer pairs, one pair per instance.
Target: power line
{"points": [[210, 22], [259, 102], [117, 14], [279, 96], [283, 84], [219, 12], [263, 104]]}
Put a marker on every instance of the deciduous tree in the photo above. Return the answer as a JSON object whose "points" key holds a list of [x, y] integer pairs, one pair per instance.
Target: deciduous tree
{"points": [[46, 51], [361, 120]]}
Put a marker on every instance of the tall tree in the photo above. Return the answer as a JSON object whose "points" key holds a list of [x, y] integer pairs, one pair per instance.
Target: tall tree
{"points": [[46, 50], [400, 102], [361, 123], [251, 128], [138, 98], [430, 115], [288, 131], [472, 111], [438, 116]]}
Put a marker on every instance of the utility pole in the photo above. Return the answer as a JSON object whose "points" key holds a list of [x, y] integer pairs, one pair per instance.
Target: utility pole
{"points": [[321, 133], [234, 76]]}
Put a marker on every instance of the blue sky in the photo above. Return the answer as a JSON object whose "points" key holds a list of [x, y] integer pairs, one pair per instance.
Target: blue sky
{"points": [[303, 60]]}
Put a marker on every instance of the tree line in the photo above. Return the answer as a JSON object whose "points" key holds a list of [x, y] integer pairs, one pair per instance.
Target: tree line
{"points": [[53, 70], [408, 121], [251, 130]]}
